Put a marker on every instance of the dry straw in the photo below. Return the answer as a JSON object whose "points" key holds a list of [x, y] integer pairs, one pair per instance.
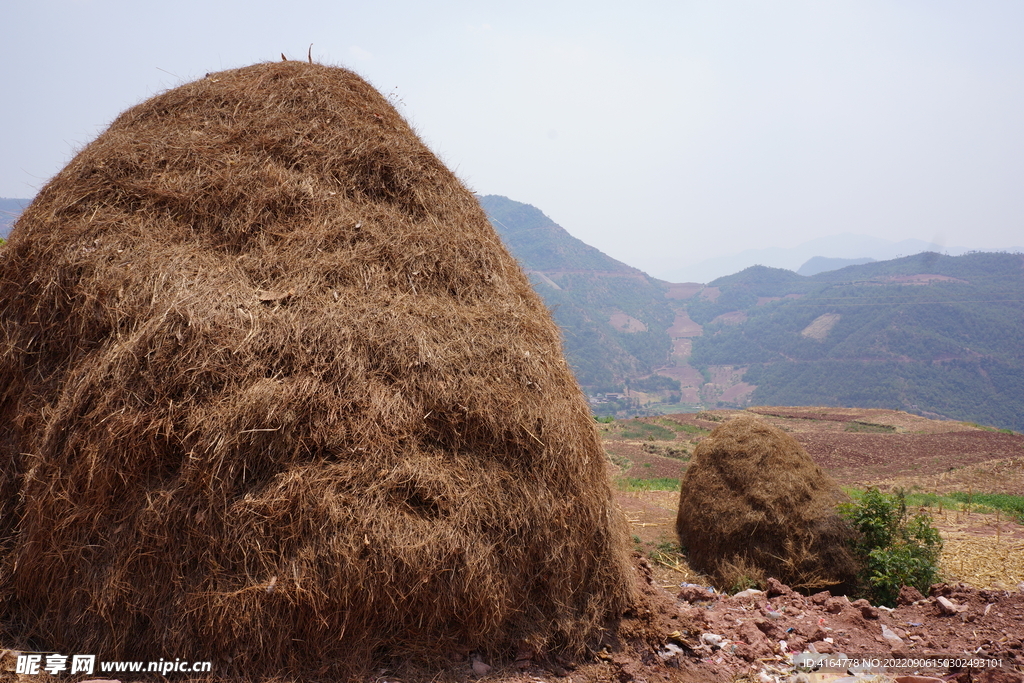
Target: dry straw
{"points": [[272, 393], [754, 505]]}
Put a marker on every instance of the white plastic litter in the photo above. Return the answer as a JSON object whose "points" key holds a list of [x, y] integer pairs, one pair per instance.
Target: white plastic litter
{"points": [[712, 639]]}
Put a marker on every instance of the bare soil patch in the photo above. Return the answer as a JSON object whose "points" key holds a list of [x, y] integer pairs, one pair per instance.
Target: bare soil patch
{"points": [[1004, 475], [982, 562], [870, 458]]}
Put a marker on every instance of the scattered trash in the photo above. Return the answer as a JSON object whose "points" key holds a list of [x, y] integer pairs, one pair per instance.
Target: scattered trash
{"points": [[712, 639], [808, 661], [670, 651]]}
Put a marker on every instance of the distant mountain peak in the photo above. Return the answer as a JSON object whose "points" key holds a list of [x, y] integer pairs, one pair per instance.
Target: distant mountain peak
{"points": [[821, 264], [542, 245]]}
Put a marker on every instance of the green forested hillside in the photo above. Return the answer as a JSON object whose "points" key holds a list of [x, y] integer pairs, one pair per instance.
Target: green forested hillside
{"points": [[588, 292], [929, 333], [926, 333], [540, 244]]}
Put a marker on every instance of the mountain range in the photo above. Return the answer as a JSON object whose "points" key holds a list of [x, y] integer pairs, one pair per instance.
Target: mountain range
{"points": [[933, 334], [846, 246]]}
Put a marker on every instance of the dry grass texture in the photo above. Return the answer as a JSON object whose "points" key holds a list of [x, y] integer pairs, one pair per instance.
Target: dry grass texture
{"points": [[754, 505], [272, 393]]}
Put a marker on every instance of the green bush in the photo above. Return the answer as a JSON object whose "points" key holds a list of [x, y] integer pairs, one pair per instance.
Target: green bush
{"points": [[895, 549]]}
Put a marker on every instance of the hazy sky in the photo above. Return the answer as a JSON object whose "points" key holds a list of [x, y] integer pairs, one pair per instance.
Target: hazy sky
{"points": [[662, 133]]}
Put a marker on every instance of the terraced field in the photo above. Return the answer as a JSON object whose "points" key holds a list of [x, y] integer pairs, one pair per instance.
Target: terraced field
{"points": [[859, 448]]}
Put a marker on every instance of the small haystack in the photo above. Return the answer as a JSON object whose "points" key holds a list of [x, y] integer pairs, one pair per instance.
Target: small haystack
{"points": [[273, 394], [754, 505]]}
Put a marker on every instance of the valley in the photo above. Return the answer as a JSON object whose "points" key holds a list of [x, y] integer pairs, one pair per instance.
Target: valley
{"points": [[934, 335]]}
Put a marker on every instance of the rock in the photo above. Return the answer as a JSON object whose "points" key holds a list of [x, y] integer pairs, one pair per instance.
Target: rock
{"points": [[997, 676], [480, 667], [867, 610], [560, 671], [947, 606], [776, 587], [819, 634], [891, 638], [908, 596], [695, 618], [745, 652], [694, 593], [836, 605], [751, 634], [524, 656], [820, 598]]}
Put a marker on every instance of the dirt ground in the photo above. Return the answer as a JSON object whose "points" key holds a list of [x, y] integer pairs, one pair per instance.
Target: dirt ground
{"points": [[982, 562], [968, 629]]}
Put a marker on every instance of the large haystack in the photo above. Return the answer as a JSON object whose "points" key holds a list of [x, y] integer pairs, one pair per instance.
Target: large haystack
{"points": [[272, 393], [754, 505]]}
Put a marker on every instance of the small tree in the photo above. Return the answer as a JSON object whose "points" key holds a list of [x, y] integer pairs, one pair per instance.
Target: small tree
{"points": [[896, 550]]}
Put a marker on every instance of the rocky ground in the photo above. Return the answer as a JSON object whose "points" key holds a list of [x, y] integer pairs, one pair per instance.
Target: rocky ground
{"points": [[982, 562], [956, 633]]}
